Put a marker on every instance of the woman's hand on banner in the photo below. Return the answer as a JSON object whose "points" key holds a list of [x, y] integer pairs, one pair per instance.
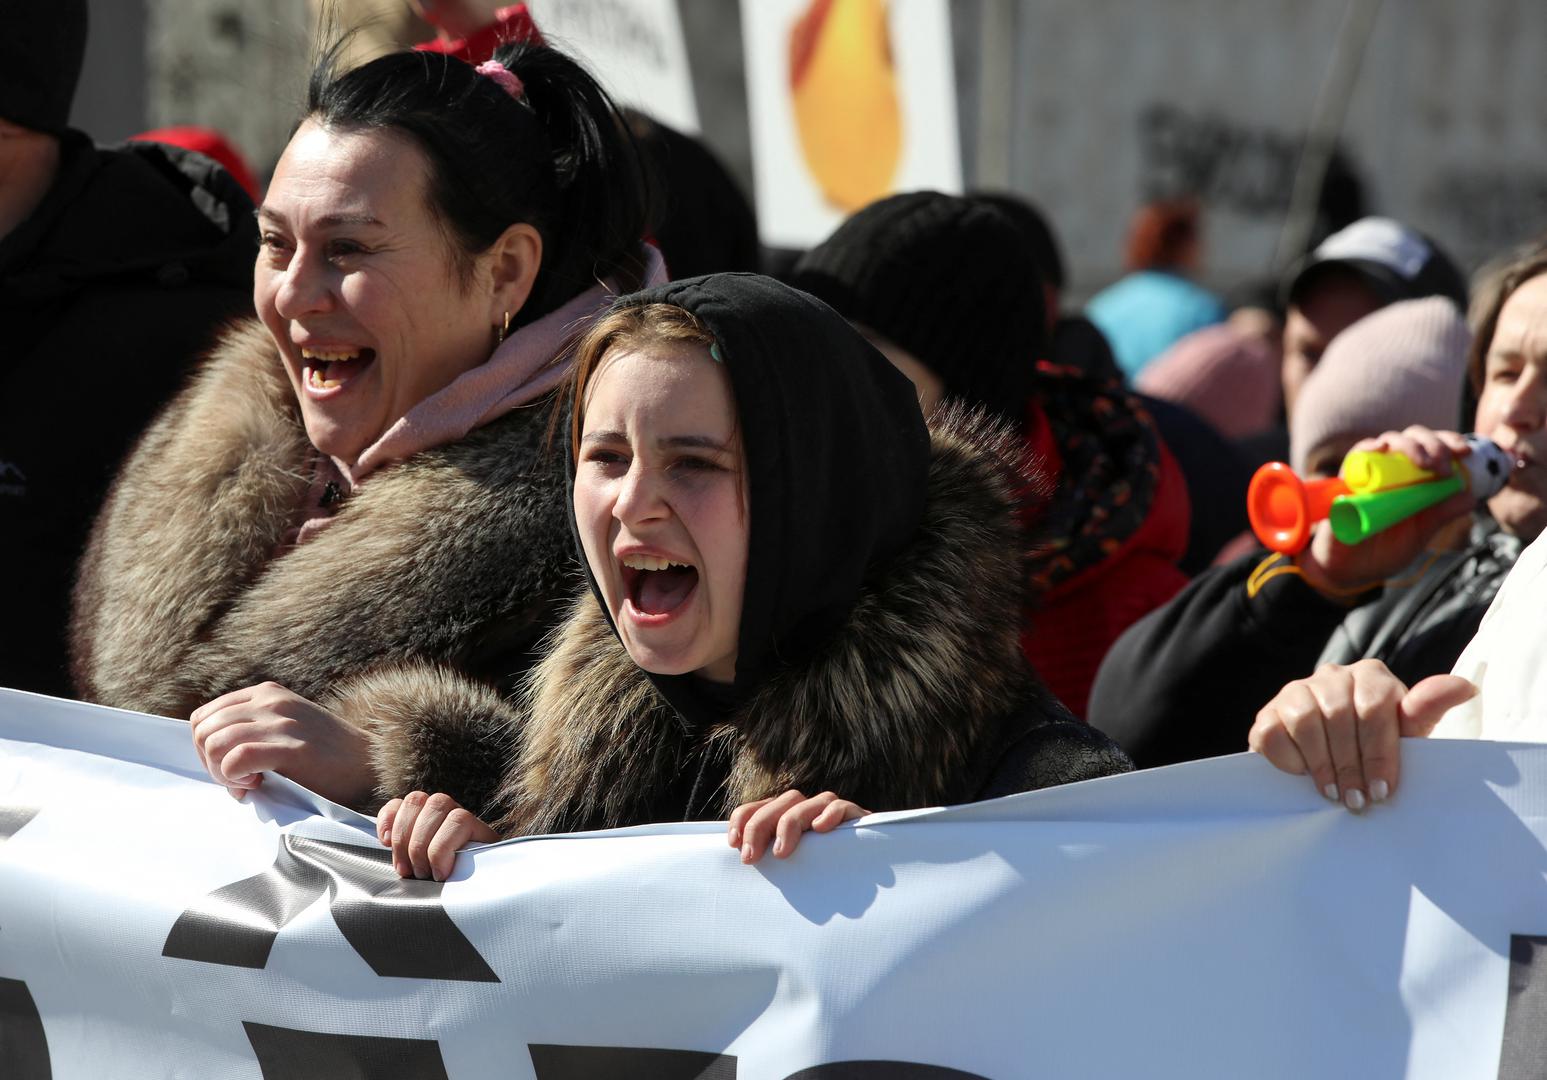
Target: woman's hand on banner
{"points": [[425, 832], [783, 819], [1342, 725], [266, 728]]}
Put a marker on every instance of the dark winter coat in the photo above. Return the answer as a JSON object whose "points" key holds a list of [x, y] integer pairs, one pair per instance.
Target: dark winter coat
{"points": [[108, 292], [446, 568], [1187, 681], [879, 651]]}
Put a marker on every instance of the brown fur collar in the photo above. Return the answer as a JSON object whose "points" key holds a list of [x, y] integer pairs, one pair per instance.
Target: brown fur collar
{"points": [[458, 557], [901, 709]]}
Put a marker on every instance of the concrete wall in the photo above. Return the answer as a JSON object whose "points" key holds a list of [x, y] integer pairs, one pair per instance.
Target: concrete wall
{"points": [[1103, 101], [110, 99], [233, 65], [236, 66], [1118, 98], [1108, 101]]}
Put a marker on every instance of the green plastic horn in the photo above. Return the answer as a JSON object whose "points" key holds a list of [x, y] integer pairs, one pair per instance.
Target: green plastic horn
{"points": [[1356, 518]]}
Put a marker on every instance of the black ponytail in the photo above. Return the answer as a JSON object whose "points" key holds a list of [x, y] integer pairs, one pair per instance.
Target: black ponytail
{"points": [[559, 158]]}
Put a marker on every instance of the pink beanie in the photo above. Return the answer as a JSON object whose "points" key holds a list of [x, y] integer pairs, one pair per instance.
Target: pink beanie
{"points": [[1402, 365], [1227, 376]]}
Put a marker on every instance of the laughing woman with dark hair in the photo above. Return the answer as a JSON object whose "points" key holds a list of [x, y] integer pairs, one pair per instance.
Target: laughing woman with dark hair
{"points": [[796, 587], [349, 516]]}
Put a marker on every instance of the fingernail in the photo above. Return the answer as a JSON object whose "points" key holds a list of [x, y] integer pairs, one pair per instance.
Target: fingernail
{"points": [[1379, 790], [1331, 792], [735, 838], [1354, 800], [746, 853], [779, 847]]}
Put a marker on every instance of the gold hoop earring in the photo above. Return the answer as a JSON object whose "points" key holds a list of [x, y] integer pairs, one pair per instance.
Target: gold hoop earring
{"points": [[502, 331]]}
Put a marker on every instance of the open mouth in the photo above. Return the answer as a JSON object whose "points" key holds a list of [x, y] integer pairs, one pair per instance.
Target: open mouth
{"points": [[1525, 476], [1520, 454], [329, 369], [657, 586]]}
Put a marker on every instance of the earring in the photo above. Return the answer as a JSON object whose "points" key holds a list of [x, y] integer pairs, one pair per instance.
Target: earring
{"points": [[503, 331]]}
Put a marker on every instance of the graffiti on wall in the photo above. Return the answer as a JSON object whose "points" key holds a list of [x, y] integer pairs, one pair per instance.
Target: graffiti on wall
{"points": [[1488, 209], [1248, 169]]}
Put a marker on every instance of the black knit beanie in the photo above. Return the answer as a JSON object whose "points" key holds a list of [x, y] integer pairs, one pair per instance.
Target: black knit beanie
{"points": [[41, 49], [1036, 233], [948, 279]]}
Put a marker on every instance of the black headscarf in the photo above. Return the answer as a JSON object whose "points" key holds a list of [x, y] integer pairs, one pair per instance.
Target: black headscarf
{"points": [[835, 456]]}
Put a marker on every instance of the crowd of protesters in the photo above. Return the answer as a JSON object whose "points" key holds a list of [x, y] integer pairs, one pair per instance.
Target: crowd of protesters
{"points": [[479, 480]]}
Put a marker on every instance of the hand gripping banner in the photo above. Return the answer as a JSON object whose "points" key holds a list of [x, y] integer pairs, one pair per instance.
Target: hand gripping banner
{"points": [[1213, 919]]}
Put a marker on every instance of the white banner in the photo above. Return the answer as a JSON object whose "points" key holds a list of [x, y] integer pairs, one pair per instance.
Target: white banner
{"points": [[635, 47], [1209, 920]]}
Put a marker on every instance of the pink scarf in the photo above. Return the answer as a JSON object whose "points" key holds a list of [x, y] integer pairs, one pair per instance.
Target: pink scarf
{"points": [[526, 365]]}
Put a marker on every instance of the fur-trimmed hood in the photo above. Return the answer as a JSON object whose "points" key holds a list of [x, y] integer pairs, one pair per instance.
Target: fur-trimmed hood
{"points": [[452, 563], [921, 697]]}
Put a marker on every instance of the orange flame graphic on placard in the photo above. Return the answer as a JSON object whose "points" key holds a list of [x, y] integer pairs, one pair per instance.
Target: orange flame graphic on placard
{"points": [[844, 87]]}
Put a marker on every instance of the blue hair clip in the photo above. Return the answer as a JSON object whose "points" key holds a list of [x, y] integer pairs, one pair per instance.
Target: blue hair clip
{"points": [[714, 352]]}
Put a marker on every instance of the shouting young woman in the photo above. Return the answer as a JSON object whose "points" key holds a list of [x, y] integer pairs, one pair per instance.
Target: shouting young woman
{"points": [[795, 587]]}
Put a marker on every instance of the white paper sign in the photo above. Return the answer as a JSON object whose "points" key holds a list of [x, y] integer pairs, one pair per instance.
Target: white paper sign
{"points": [[634, 47], [850, 100], [1209, 920]]}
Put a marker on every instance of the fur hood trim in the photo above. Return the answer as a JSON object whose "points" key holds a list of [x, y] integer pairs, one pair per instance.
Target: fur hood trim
{"points": [[453, 557], [907, 706]]}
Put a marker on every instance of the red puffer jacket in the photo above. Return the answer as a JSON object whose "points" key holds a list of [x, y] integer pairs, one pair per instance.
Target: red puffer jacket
{"points": [[1109, 536]]}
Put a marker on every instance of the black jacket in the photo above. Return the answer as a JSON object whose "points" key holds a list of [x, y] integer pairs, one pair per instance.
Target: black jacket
{"points": [[1187, 681], [108, 291]]}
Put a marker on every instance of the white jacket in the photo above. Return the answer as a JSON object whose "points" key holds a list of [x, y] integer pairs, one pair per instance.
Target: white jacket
{"points": [[1507, 659]]}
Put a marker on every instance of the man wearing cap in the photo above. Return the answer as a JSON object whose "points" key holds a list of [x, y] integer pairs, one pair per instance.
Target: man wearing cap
{"points": [[1371, 263], [1384, 306], [117, 266]]}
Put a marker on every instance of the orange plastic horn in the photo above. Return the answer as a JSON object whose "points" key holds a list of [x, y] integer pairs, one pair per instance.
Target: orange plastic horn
{"points": [[1282, 507]]}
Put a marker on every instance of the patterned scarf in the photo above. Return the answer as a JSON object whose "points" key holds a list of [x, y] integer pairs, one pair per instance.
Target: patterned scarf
{"points": [[1103, 451]]}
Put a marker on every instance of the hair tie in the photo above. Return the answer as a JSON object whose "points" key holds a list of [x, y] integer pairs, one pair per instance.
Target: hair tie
{"points": [[508, 80]]}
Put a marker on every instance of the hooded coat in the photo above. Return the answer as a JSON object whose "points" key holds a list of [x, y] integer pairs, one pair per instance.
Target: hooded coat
{"points": [[444, 569], [108, 292], [878, 651]]}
